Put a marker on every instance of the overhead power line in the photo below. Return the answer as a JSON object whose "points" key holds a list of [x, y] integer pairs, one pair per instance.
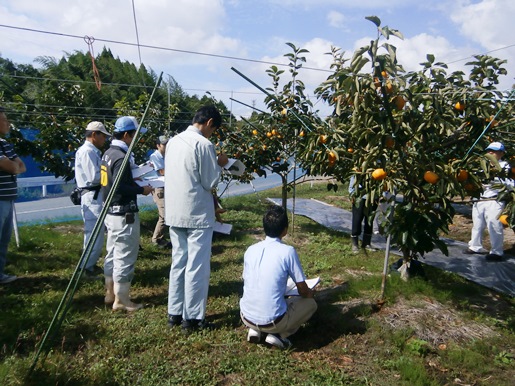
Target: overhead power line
{"points": [[137, 34], [161, 48], [138, 45], [80, 81]]}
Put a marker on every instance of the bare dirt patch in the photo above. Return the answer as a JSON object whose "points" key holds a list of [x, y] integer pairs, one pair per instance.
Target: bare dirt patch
{"points": [[433, 322]]}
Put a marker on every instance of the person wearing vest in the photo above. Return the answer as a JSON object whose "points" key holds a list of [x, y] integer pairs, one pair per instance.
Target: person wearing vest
{"points": [[10, 166], [122, 219], [87, 176]]}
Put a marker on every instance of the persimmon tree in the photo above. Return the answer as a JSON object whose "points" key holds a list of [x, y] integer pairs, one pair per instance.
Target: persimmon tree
{"points": [[424, 129], [267, 142]]}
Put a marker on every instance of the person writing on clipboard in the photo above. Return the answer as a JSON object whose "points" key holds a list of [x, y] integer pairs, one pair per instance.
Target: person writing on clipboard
{"points": [[267, 266]]}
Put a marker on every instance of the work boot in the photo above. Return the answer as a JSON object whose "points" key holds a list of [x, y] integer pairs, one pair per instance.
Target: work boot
{"points": [[109, 285], [367, 243], [355, 244], [122, 300]]}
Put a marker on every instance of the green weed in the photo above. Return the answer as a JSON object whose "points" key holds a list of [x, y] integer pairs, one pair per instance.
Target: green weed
{"points": [[346, 343]]}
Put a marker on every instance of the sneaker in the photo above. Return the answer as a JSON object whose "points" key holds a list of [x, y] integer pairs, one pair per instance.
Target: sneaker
{"points": [[370, 248], [469, 251], [191, 325], [5, 279], [174, 320], [493, 257], [253, 336], [276, 341]]}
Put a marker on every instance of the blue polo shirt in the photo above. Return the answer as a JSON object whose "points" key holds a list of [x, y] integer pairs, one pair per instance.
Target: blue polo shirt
{"points": [[267, 266]]}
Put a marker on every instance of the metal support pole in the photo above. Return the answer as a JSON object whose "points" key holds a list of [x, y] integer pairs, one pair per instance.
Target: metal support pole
{"points": [[15, 227], [64, 305], [387, 253]]}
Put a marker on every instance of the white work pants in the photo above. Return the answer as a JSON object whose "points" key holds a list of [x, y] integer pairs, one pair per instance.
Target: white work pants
{"points": [[122, 247], [485, 214], [189, 272], [90, 209]]}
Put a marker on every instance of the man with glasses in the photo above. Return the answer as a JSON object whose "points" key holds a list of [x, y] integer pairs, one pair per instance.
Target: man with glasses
{"points": [[192, 171]]}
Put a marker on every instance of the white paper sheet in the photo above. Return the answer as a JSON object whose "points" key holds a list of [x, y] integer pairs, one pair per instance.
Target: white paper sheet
{"points": [[235, 167], [142, 169], [222, 228], [158, 182], [291, 287]]}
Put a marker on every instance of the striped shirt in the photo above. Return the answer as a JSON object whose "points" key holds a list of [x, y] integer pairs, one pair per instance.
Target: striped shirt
{"points": [[8, 185]]}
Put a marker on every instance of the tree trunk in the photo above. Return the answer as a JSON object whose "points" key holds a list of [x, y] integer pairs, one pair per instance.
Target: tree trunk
{"points": [[284, 190]]}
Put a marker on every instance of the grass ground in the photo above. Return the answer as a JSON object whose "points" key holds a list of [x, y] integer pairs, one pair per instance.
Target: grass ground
{"points": [[441, 330]]}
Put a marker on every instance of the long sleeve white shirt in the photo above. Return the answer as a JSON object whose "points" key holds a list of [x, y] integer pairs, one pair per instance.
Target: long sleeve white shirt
{"points": [[489, 191], [87, 165], [192, 171]]}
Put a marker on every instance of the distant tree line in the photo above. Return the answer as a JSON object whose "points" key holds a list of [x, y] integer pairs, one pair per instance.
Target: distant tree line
{"points": [[60, 96]]}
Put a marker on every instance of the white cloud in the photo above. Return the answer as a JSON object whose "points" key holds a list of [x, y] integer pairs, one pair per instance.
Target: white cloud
{"points": [[411, 52], [487, 22], [363, 4], [181, 24], [450, 29], [336, 19]]}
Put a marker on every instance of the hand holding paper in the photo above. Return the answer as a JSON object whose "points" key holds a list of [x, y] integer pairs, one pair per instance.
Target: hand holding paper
{"points": [[142, 169], [235, 167], [291, 286]]}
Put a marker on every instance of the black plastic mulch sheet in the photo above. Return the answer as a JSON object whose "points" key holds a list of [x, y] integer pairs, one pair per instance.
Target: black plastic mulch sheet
{"points": [[498, 275]]}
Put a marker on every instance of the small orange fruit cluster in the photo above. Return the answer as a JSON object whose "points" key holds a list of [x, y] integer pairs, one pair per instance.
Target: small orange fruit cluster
{"points": [[460, 106], [379, 174], [431, 177], [462, 175], [331, 157]]}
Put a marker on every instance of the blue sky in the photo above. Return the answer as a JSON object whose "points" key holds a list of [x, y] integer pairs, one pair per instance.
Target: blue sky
{"points": [[256, 29]]}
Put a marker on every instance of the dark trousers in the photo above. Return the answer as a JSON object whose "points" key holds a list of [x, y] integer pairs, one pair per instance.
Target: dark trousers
{"points": [[360, 214]]}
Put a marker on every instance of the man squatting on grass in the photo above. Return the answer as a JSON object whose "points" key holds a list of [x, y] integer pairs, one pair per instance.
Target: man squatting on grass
{"points": [[10, 166], [266, 268]]}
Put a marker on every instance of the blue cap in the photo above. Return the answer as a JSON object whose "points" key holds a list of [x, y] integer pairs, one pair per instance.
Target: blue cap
{"points": [[495, 146], [127, 124]]}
